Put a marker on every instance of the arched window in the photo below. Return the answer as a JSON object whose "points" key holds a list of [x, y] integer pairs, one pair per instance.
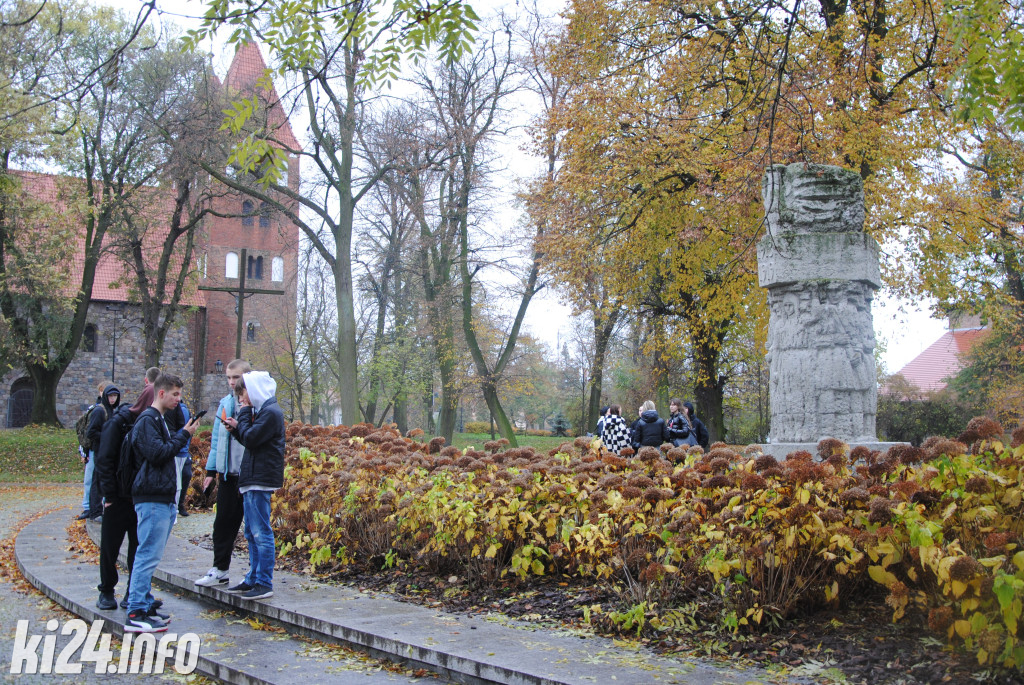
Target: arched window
{"points": [[19, 407], [264, 215], [277, 269], [255, 268], [250, 331], [247, 210], [231, 265], [89, 338]]}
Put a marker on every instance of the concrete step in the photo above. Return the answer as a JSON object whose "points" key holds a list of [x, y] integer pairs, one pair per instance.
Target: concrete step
{"points": [[465, 649], [232, 650]]}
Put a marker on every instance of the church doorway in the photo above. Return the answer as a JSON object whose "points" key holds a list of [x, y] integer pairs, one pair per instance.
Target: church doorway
{"points": [[19, 406]]}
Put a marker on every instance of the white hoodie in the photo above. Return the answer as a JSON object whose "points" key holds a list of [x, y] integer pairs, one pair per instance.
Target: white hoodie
{"points": [[260, 386]]}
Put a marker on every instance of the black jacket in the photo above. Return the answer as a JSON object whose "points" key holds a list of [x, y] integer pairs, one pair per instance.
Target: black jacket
{"points": [[109, 452], [263, 439], [678, 427], [703, 438], [102, 411], [155, 449], [651, 430]]}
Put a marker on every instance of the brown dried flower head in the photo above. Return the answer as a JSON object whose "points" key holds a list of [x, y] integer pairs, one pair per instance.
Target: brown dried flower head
{"points": [[859, 454], [965, 569], [1017, 436], [753, 481], [830, 447], [649, 454], [979, 485], [996, 542], [854, 496], [631, 492]]}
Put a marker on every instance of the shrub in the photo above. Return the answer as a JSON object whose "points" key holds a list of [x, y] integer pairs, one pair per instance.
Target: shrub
{"points": [[752, 539], [476, 427]]}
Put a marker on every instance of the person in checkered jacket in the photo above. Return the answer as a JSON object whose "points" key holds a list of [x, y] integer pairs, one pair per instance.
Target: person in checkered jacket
{"points": [[615, 433]]}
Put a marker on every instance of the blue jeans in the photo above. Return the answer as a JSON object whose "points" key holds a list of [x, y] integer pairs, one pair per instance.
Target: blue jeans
{"points": [[155, 519], [259, 535], [90, 467]]}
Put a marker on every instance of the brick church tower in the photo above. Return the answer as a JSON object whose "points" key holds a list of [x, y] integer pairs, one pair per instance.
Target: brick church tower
{"points": [[268, 238]]}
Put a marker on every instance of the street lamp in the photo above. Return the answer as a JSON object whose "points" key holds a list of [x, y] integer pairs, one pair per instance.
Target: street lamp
{"points": [[113, 341]]}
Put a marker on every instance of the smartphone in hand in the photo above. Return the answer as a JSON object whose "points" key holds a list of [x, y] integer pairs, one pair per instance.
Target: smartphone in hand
{"points": [[199, 415]]}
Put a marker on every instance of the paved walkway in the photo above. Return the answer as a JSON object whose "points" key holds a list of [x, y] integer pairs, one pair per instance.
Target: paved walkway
{"points": [[18, 503], [460, 648]]}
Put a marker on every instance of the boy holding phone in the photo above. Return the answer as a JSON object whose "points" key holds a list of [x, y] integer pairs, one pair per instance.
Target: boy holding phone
{"points": [[260, 428], [154, 489]]}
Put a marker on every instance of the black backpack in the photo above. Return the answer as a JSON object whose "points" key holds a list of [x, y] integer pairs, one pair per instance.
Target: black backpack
{"points": [[126, 467], [82, 430]]}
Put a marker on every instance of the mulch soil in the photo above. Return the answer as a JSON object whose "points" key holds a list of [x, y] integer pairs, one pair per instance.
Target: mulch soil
{"points": [[860, 645]]}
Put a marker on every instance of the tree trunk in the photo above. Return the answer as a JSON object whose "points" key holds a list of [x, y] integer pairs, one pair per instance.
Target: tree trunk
{"points": [[348, 385], [314, 392], [603, 327], [449, 402], [709, 389], [428, 404], [401, 412], [44, 397], [375, 385]]}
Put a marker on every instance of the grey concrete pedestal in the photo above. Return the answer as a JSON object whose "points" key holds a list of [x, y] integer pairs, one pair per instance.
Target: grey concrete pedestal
{"points": [[781, 450]]}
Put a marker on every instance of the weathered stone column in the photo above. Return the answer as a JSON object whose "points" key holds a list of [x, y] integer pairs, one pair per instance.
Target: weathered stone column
{"points": [[821, 271]]}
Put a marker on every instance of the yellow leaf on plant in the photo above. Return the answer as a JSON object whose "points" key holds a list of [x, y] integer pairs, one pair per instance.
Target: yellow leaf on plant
{"points": [[962, 628], [959, 587], [881, 576], [491, 552], [1018, 560]]}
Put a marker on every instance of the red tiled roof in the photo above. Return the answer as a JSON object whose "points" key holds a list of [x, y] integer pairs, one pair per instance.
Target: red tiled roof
{"points": [[246, 69], [110, 283], [942, 359]]}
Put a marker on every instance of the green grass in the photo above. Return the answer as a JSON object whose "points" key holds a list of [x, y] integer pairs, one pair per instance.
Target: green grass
{"points": [[38, 454], [477, 440]]}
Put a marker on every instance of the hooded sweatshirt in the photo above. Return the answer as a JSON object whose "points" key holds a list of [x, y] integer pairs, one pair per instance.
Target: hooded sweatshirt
{"points": [[103, 410], [261, 431]]}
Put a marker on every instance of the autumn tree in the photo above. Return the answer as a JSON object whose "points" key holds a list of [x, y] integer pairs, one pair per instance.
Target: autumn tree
{"points": [[112, 153], [677, 109], [159, 254], [334, 54], [391, 284]]}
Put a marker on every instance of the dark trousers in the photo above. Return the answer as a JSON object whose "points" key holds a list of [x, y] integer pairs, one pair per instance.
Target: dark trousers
{"points": [[227, 522], [95, 496], [119, 519]]}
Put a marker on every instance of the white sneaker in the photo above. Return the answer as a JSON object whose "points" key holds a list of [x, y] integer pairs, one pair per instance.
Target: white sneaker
{"points": [[213, 577]]}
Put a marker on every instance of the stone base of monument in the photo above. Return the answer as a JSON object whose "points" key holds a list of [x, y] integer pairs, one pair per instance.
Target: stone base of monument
{"points": [[780, 450]]}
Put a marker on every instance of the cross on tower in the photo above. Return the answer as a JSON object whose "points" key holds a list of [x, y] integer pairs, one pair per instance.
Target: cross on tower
{"points": [[240, 294]]}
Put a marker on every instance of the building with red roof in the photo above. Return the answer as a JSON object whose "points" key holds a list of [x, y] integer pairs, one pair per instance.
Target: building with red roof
{"points": [[204, 337], [930, 371]]}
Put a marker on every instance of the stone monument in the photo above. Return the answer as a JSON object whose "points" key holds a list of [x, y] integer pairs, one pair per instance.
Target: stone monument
{"points": [[821, 271]]}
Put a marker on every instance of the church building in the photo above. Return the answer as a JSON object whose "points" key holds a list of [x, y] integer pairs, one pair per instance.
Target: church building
{"points": [[239, 242]]}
